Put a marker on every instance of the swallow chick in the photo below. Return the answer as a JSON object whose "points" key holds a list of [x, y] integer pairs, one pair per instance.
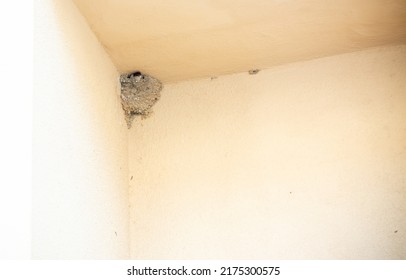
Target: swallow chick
{"points": [[136, 75]]}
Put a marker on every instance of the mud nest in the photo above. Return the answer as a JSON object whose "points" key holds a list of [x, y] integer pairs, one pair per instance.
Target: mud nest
{"points": [[139, 92]]}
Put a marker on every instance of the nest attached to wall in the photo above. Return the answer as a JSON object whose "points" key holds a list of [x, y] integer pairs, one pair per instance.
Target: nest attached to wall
{"points": [[139, 92]]}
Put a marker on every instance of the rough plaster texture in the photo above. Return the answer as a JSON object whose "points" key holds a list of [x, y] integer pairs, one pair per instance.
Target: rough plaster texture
{"points": [[302, 161], [80, 157]]}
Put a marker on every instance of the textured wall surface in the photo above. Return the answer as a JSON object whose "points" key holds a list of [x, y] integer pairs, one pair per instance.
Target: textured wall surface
{"points": [[80, 147], [306, 160]]}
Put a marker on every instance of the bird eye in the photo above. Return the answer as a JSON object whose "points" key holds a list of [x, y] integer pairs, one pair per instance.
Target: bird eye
{"points": [[134, 74]]}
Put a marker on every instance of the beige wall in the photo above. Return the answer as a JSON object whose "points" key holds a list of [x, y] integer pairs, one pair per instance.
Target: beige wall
{"points": [[306, 160], [185, 39], [80, 144], [302, 161]]}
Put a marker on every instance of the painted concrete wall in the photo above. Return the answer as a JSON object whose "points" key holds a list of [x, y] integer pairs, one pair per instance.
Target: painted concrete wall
{"points": [[198, 39], [302, 161], [80, 143]]}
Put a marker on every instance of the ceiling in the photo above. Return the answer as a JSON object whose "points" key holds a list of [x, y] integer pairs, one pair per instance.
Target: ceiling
{"points": [[184, 39]]}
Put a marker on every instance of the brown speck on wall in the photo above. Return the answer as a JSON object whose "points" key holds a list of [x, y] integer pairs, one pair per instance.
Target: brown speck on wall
{"points": [[253, 71]]}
